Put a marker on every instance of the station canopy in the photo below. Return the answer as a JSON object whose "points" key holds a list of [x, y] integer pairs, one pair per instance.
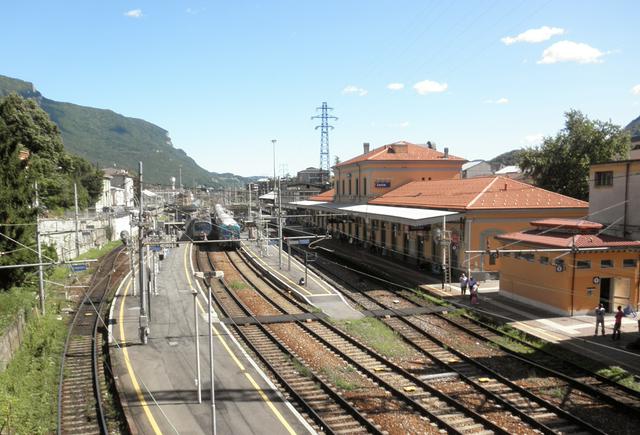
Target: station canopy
{"points": [[403, 215]]}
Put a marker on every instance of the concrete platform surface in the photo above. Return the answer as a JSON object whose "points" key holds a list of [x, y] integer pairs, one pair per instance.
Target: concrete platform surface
{"points": [[157, 380], [316, 291]]}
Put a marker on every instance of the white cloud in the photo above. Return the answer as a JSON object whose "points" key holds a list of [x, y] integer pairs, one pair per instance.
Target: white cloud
{"points": [[428, 86], [534, 139], [395, 86], [569, 51], [351, 89], [635, 90], [502, 100], [534, 35], [133, 13]]}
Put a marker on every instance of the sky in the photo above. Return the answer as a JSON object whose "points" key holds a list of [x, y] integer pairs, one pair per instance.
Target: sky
{"points": [[225, 78]]}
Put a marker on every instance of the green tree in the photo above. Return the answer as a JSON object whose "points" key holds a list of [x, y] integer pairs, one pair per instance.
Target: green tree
{"points": [[24, 126], [561, 163]]}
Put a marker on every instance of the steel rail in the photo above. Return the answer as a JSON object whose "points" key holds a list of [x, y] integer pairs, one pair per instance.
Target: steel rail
{"points": [[448, 400], [96, 381], [290, 389]]}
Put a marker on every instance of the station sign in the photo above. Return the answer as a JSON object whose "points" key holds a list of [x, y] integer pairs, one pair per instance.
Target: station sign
{"points": [[299, 242], [79, 267], [383, 183], [155, 248]]}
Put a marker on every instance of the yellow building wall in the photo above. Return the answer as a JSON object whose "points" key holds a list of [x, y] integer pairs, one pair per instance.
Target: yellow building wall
{"points": [[486, 225], [572, 291], [395, 173]]}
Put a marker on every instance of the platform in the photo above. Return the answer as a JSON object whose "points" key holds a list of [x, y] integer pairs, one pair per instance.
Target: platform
{"points": [[315, 291], [157, 380]]}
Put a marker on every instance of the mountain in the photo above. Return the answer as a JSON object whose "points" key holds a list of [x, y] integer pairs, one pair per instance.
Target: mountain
{"points": [[506, 159], [634, 127], [107, 138]]}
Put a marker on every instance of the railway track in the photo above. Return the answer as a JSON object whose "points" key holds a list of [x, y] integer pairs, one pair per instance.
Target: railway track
{"points": [[311, 393], [83, 384], [409, 391], [547, 416]]}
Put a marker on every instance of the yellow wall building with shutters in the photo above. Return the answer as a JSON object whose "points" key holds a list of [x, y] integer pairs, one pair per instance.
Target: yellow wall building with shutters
{"points": [[574, 281]]}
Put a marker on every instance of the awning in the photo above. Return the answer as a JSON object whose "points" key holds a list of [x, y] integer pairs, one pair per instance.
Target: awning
{"points": [[403, 215], [270, 195]]}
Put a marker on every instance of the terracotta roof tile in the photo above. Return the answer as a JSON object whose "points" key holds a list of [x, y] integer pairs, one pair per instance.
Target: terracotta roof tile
{"points": [[324, 196], [564, 240], [400, 151], [481, 193], [572, 224]]}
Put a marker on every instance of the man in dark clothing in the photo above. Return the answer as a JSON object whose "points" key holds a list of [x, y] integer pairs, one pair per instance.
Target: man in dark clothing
{"points": [[600, 318]]}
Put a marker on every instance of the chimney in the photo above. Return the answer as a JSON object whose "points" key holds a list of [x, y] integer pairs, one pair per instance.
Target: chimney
{"points": [[365, 147], [446, 152]]}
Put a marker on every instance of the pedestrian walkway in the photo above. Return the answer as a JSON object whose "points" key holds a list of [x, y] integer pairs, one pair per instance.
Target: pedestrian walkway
{"points": [[157, 381], [314, 290]]}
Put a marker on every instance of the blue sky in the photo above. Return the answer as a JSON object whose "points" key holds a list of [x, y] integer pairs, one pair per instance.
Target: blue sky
{"points": [[227, 77]]}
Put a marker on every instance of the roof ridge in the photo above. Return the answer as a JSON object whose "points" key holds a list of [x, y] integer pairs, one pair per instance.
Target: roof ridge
{"points": [[482, 192]]}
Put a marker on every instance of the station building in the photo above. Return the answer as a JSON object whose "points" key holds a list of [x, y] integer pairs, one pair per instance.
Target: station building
{"points": [[568, 266], [409, 201]]}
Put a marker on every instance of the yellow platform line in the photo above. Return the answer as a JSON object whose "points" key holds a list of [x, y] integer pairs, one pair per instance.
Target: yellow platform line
{"points": [[233, 356], [127, 361]]}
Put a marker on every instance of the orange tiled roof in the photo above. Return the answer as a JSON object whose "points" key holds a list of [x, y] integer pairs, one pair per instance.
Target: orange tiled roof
{"points": [[570, 224], [565, 240], [324, 196], [400, 151], [481, 193]]}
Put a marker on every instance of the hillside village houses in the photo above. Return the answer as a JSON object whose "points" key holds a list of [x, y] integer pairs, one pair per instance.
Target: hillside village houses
{"points": [[117, 190]]}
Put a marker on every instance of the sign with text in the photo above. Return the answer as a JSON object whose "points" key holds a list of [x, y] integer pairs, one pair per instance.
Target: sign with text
{"points": [[383, 183], [298, 242], [80, 267]]}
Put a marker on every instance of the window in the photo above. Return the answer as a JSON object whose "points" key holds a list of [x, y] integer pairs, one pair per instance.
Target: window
{"points": [[349, 186], [343, 187], [604, 178], [364, 186], [628, 262], [528, 256], [357, 188], [583, 264], [606, 264], [544, 260]]}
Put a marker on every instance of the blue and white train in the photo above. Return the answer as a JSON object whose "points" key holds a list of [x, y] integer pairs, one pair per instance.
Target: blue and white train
{"points": [[226, 228], [199, 228]]}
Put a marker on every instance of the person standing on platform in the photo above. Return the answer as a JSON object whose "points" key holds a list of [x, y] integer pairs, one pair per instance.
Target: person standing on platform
{"points": [[473, 292], [600, 318], [618, 324], [463, 283], [471, 283]]}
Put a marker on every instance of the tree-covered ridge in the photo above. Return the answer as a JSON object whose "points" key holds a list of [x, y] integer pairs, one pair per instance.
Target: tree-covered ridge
{"points": [[509, 158], [634, 127], [108, 138]]}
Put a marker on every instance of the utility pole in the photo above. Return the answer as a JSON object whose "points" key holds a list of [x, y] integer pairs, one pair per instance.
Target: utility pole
{"points": [[273, 141], [180, 179], [324, 117], [132, 251], [279, 227], [144, 320], [249, 211], [75, 200], [39, 247]]}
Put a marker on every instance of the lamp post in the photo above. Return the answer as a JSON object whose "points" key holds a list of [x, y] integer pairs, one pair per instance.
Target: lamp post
{"points": [[206, 276]]}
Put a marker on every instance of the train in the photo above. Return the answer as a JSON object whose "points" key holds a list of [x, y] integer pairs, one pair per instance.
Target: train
{"points": [[226, 228], [199, 227]]}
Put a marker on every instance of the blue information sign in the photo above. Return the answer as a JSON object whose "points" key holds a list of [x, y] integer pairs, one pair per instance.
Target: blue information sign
{"points": [[156, 248], [80, 267]]}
